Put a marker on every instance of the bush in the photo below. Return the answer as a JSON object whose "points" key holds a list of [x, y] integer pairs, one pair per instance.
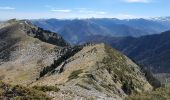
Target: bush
{"points": [[91, 98]]}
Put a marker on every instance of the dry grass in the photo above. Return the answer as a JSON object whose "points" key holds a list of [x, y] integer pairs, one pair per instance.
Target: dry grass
{"points": [[17, 92]]}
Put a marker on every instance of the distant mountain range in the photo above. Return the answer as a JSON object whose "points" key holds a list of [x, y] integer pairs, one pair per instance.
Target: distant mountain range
{"points": [[140, 39], [80, 29]]}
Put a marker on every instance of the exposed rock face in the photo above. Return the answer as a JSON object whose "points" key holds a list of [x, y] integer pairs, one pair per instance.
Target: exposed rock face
{"points": [[32, 56]]}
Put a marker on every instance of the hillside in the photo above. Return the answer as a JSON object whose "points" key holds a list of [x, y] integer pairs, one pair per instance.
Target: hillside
{"points": [[81, 29], [96, 71], [158, 94], [150, 51], [42, 60], [23, 54]]}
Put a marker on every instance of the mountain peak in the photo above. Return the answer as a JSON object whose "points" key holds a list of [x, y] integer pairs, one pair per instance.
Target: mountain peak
{"points": [[27, 28]]}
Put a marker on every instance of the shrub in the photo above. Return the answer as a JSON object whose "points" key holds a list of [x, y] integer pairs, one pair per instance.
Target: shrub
{"points": [[91, 98]]}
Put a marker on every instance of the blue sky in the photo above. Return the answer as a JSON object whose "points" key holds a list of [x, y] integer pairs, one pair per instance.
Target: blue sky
{"points": [[34, 9]]}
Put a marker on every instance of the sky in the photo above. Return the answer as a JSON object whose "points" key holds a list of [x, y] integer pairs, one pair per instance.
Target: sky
{"points": [[66, 9]]}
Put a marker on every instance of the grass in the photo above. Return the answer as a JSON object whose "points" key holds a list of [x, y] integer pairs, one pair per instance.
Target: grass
{"points": [[12, 20], [46, 88], [75, 74], [17, 92], [93, 83], [83, 86], [162, 93], [116, 65]]}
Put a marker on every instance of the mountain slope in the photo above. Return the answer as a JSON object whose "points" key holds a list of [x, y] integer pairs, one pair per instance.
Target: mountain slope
{"points": [[159, 94], [23, 54], [81, 29], [53, 25], [150, 51], [96, 71]]}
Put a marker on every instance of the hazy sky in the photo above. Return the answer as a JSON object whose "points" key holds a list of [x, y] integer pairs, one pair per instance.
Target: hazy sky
{"points": [[33, 9]]}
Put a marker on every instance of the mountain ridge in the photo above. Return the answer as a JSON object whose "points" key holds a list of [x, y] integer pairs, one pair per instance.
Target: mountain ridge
{"points": [[88, 74], [88, 71], [142, 49]]}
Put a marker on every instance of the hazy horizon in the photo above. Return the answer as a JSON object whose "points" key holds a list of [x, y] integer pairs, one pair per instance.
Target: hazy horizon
{"points": [[45, 9], [85, 18]]}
